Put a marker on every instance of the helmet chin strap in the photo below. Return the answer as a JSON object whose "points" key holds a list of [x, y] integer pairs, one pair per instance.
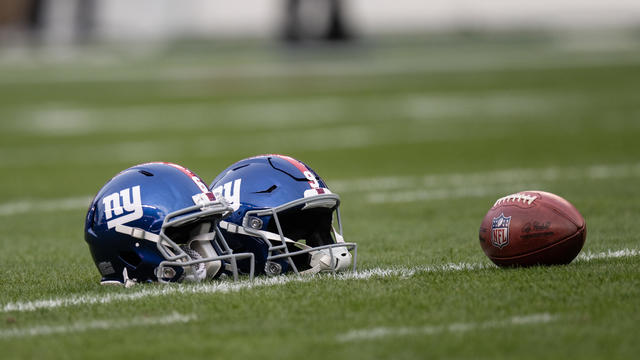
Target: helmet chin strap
{"points": [[126, 281], [321, 260], [230, 227]]}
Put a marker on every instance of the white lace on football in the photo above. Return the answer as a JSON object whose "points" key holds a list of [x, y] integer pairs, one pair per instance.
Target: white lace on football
{"points": [[519, 197]]}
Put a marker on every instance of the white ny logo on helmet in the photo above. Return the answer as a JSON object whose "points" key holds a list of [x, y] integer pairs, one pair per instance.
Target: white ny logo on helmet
{"points": [[131, 203], [232, 197]]}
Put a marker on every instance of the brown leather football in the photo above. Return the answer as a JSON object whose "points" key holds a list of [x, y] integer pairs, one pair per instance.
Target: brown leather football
{"points": [[532, 228]]}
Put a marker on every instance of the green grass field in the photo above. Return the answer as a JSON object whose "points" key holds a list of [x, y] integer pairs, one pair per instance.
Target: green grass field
{"points": [[419, 139]]}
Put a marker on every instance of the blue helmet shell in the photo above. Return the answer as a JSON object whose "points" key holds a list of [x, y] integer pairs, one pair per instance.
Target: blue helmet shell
{"points": [[268, 182], [139, 197]]}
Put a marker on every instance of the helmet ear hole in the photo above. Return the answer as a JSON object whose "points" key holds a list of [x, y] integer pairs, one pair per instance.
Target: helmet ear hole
{"points": [[130, 258]]}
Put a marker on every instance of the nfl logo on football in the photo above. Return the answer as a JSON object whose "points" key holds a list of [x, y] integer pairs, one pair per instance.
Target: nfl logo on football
{"points": [[500, 231]]}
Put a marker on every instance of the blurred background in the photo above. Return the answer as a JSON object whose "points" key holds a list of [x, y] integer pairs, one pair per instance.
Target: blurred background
{"points": [[56, 22], [357, 88], [73, 22]]}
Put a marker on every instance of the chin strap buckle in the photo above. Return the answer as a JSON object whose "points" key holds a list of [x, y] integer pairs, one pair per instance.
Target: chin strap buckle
{"points": [[126, 281]]}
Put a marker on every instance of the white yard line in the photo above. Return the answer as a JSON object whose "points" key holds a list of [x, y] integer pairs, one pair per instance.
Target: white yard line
{"points": [[66, 119], [405, 189], [315, 139], [448, 63], [418, 195], [83, 326], [385, 332], [460, 180], [609, 254], [27, 206], [399, 189], [225, 287]]}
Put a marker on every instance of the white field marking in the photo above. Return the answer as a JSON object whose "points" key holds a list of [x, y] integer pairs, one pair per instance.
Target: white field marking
{"points": [[403, 189], [226, 287], [66, 119], [28, 206], [339, 137], [498, 106], [385, 332], [446, 186], [57, 121], [126, 151], [482, 61], [83, 326], [609, 254], [439, 194], [460, 180]]}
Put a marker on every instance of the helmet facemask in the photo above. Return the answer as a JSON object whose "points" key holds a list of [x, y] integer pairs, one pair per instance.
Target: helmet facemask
{"points": [[301, 233], [191, 253]]}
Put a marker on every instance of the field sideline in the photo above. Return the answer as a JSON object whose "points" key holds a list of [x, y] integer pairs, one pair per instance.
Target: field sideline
{"points": [[418, 140]]}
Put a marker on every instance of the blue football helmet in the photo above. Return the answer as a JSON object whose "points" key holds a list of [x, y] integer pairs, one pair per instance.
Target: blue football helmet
{"points": [[153, 222], [283, 213]]}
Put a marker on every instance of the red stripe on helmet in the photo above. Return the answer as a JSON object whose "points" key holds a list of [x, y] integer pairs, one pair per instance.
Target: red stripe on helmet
{"points": [[306, 172], [195, 178], [300, 166]]}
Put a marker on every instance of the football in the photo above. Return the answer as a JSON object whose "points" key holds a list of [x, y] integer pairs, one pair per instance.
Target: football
{"points": [[532, 228]]}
